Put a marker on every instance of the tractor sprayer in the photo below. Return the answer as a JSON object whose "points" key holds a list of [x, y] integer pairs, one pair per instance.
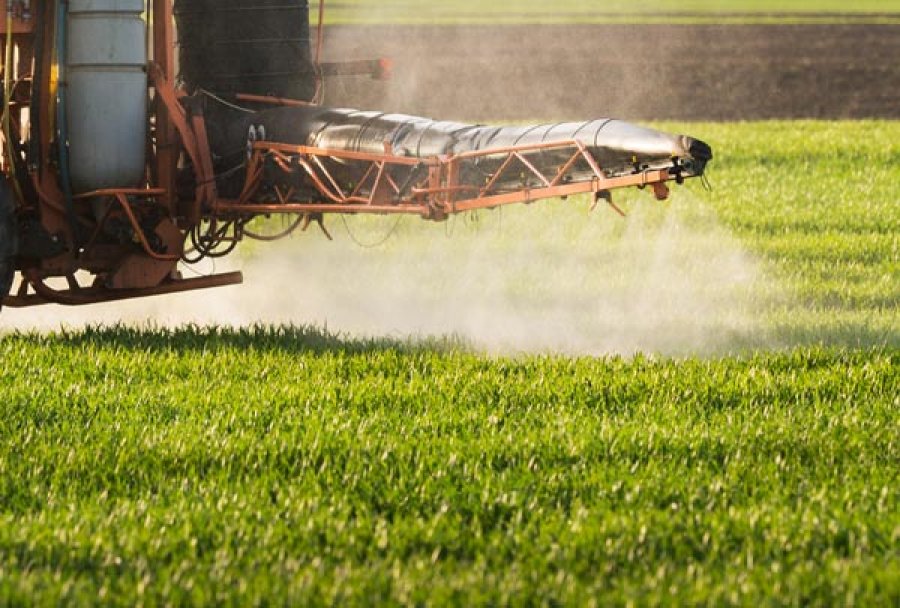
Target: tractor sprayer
{"points": [[127, 152]]}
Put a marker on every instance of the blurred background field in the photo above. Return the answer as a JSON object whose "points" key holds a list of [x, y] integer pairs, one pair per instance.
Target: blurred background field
{"points": [[616, 11]]}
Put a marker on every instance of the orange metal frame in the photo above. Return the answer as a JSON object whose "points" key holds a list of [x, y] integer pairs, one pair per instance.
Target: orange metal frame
{"points": [[77, 295], [439, 194]]}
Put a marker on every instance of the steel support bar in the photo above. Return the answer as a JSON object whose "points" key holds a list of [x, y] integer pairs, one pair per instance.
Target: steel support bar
{"points": [[196, 148], [428, 210], [230, 208], [530, 195], [166, 136], [95, 295], [268, 146], [440, 194]]}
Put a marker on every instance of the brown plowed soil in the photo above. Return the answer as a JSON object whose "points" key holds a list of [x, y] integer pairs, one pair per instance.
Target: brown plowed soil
{"points": [[683, 72]]}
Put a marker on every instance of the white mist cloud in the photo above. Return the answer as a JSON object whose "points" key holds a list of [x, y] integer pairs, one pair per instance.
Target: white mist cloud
{"points": [[548, 278]]}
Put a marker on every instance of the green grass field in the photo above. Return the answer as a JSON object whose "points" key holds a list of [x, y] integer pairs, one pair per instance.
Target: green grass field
{"points": [[269, 466], [815, 201], [612, 11]]}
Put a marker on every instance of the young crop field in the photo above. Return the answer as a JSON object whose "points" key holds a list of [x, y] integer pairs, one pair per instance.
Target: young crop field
{"points": [[285, 466], [266, 465]]}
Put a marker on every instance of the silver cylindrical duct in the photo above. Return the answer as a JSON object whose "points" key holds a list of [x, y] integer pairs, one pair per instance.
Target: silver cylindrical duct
{"points": [[620, 148]]}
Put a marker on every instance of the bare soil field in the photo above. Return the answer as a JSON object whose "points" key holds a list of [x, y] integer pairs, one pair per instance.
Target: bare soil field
{"points": [[680, 72]]}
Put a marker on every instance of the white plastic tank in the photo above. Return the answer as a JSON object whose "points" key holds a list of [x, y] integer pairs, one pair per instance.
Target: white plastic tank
{"points": [[106, 94]]}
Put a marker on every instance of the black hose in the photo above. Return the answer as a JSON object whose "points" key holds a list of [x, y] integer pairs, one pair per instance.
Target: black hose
{"points": [[8, 238], [36, 114]]}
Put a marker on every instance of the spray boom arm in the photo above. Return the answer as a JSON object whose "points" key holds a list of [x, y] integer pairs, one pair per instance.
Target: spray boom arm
{"points": [[389, 184]]}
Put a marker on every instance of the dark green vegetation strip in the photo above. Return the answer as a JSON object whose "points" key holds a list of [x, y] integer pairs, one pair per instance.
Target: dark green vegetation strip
{"points": [[289, 466]]}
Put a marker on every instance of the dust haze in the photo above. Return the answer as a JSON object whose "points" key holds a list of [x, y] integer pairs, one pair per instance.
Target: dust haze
{"points": [[506, 73], [667, 280]]}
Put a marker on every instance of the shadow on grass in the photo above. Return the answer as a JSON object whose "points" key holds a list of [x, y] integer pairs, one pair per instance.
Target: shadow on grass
{"points": [[298, 339], [307, 339]]}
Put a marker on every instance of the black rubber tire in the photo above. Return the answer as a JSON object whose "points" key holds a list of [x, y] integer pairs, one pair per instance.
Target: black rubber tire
{"points": [[8, 238]]}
